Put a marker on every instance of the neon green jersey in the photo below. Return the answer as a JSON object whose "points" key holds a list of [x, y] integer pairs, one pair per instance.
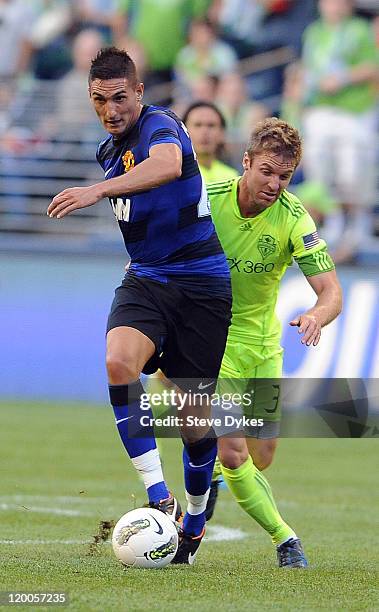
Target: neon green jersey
{"points": [[259, 250], [217, 172]]}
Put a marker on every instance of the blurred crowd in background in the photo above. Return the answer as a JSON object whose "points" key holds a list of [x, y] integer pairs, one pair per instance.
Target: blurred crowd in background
{"points": [[312, 62]]}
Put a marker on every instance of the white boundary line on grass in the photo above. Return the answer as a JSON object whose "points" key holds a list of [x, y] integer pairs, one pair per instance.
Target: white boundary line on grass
{"points": [[59, 499], [28, 542], [218, 533], [215, 533], [43, 510]]}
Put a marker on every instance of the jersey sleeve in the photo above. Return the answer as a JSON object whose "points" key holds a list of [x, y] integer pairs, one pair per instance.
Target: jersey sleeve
{"points": [[308, 249], [159, 128], [98, 155], [100, 152]]}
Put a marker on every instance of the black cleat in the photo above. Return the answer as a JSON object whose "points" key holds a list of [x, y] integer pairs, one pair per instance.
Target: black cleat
{"points": [[212, 499], [188, 548], [169, 506], [291, 554]]}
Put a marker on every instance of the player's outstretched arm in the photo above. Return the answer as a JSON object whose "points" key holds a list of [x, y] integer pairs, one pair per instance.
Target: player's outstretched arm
{"points": [[162, 166], [74, 198], [327, 308]]}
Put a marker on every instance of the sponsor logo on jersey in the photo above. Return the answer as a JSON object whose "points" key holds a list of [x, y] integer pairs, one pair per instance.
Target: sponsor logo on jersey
{"points": [[128, 161], [248, 266], [266, 245]]}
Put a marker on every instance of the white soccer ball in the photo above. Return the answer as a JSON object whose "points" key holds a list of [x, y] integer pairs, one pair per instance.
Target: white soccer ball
{"points": [[145, 537]]}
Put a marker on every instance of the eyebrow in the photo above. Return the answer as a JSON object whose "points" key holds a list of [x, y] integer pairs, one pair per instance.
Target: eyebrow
{"points": [[202, 122], [269, 167], [117, 93]]}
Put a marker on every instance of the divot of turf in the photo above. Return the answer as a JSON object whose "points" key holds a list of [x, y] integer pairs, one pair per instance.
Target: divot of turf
{"points": [[103, 534]]}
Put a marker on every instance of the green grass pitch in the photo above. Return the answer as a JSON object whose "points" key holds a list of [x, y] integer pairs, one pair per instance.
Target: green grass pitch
{"points": [[63, 470]]}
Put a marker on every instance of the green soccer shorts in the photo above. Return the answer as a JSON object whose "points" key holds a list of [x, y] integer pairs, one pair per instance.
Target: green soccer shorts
{"points": [[249, 386]]}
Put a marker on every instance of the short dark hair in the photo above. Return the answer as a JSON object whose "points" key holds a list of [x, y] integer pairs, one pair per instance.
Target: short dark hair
{"points": [[200, 104], [275, 136], [113, 63]]}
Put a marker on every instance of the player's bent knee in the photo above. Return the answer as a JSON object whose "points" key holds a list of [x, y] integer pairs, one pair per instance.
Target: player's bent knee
{"points": [[232, 457], [121, 371]]}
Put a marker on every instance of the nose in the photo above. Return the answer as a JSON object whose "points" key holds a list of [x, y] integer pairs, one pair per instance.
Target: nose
{"points": [[273, 184], [110, 110]]}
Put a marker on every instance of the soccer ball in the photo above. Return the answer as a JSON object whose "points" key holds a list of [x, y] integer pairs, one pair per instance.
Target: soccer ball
{"points": [[145, 537]]}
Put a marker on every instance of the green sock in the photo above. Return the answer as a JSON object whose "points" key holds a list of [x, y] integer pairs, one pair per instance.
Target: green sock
{"points": [[217, 469], [253, 493]]}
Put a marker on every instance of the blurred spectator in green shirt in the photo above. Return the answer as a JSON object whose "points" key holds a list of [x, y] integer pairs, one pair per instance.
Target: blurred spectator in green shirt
{"points": [[160, 26], [204, 55], [340, 63], [206, 126]]}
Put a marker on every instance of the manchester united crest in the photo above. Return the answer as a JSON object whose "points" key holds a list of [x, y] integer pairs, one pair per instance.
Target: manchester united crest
{"points": [[128, 161]]}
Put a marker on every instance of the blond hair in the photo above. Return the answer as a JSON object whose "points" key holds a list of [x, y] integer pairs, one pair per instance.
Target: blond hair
{"points": [[275, 136]]}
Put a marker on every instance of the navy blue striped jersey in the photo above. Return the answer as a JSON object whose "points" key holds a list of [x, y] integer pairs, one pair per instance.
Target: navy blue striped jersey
{"points": [[168, 231]]}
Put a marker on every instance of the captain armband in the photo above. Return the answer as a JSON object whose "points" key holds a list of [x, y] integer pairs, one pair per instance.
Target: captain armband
{"points": [[315, 263]]}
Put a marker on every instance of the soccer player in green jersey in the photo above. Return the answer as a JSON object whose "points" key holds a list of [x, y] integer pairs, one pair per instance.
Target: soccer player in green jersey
{"points": [[262, 229]]}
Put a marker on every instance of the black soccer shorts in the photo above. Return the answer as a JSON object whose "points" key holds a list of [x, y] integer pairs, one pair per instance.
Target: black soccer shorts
{"points": [[189, 328]]}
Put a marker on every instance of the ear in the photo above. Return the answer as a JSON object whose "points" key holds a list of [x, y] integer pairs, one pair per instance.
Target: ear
{"points": [[139, 91], [246, 161]]}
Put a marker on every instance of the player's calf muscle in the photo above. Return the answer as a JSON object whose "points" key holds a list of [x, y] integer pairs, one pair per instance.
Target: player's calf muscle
{"points": [[262, 451]]}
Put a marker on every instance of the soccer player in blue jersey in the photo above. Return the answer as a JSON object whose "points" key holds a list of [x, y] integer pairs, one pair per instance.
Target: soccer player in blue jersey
{"points": [[173, 307]]}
